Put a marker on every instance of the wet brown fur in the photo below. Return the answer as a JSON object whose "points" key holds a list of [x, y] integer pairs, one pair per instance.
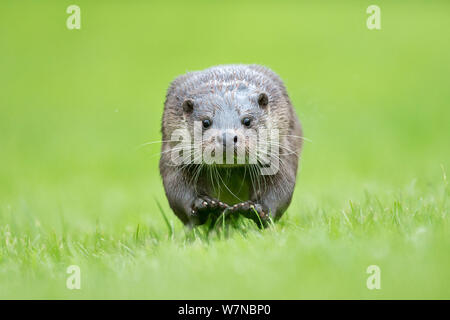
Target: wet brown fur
{"points": [[271, 194]]}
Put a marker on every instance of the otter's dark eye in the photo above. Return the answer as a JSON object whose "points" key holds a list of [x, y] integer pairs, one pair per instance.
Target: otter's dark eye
{"points": [[206, 123], [246, 122]]}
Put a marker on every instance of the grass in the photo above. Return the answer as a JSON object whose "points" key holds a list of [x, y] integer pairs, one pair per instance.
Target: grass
{"points": [[75, 188]]}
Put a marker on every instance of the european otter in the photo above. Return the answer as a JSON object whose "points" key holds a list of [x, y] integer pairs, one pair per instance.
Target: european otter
{"points": [[225, 104]]}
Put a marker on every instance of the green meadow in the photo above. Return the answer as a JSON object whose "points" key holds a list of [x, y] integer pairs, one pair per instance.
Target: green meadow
{"points": [[80, 186]]}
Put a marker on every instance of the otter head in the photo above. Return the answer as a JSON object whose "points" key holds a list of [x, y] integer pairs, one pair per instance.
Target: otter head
{"points": [[229, 126]]}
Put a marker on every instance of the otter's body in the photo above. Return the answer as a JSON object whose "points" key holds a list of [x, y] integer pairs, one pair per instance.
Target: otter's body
{"points": [[229, 101]]}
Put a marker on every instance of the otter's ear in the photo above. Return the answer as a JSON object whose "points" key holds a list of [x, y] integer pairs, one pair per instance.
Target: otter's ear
{"points": [[263, 100], [188, 105]]}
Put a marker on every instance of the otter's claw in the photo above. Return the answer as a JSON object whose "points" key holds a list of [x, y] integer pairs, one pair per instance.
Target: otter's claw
{"points": [[205, 206], [253, 211]]}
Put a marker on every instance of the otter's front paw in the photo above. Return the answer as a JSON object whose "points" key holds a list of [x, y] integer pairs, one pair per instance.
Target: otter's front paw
{"points": [[205, 206], [253, 211]]}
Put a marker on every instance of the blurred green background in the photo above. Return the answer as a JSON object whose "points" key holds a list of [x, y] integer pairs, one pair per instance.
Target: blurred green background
{"points": [[77, 188]]}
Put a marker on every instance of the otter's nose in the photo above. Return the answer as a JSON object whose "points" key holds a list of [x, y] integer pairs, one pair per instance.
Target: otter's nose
{"points": [[228, 138]]}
